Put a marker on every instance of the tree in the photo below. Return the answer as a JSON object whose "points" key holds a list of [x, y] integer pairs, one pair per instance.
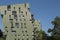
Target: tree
{"points": [[56, 30], [1, 33], [40, 35]]}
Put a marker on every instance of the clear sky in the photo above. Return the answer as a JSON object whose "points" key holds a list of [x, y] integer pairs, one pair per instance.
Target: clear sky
{"points": [[44, 10]]}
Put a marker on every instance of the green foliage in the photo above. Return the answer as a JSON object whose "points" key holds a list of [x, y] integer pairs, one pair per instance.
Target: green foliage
{"points": [[56, 30], [56, 22]]}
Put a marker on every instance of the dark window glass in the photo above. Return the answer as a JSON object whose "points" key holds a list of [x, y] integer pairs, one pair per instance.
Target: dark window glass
{"points": [[14, 7], [5, 12], [20, 19], [22, 39], [15, 38], [18, 39], [27, 34], [9, 16], [22, 31], [15, 14], [7, 31], [5, 26], [35, 28], [19, 15], [19, 9], [18, 35], [21, 25], [23, 15], [13, 31], [27, 39], [17, 24], [29, 9], [8, 7], [26, 31], [23, 34], [26, 13], [11, 20], [25, 5], [2, 15]]}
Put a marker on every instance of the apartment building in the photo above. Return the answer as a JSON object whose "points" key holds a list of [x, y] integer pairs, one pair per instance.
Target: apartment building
{"points": [[18, 22]]}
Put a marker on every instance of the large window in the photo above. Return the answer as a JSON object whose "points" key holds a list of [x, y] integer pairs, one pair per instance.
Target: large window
{"points": [[8, 7], [15, 14]]}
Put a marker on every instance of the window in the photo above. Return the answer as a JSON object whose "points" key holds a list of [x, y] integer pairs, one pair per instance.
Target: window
{"points": [[16, 19], [9, 16], [25, 5], [15, 38], [35, 28], [5, 12], [27, 39], [26, 13], [18, 39], [19, 15], [21, 25], [25, 27], [13, 31], [20, 19], [19, 9], [8, 7], [29, 9], [23, 15], [14, 7], [17, 24], [11, 20], [23, 34], [27, 34], [5, 26], [15, 14], [18, 35], [7, 31], [2, 15], [22, 31], [22, 39], [26, 31]]}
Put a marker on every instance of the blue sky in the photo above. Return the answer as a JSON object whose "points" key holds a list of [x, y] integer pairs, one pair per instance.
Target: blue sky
{"points": [[44, 10]]}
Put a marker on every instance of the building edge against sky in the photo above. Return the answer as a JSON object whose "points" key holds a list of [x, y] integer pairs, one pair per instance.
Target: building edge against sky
{"points": [[19, 23]]}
